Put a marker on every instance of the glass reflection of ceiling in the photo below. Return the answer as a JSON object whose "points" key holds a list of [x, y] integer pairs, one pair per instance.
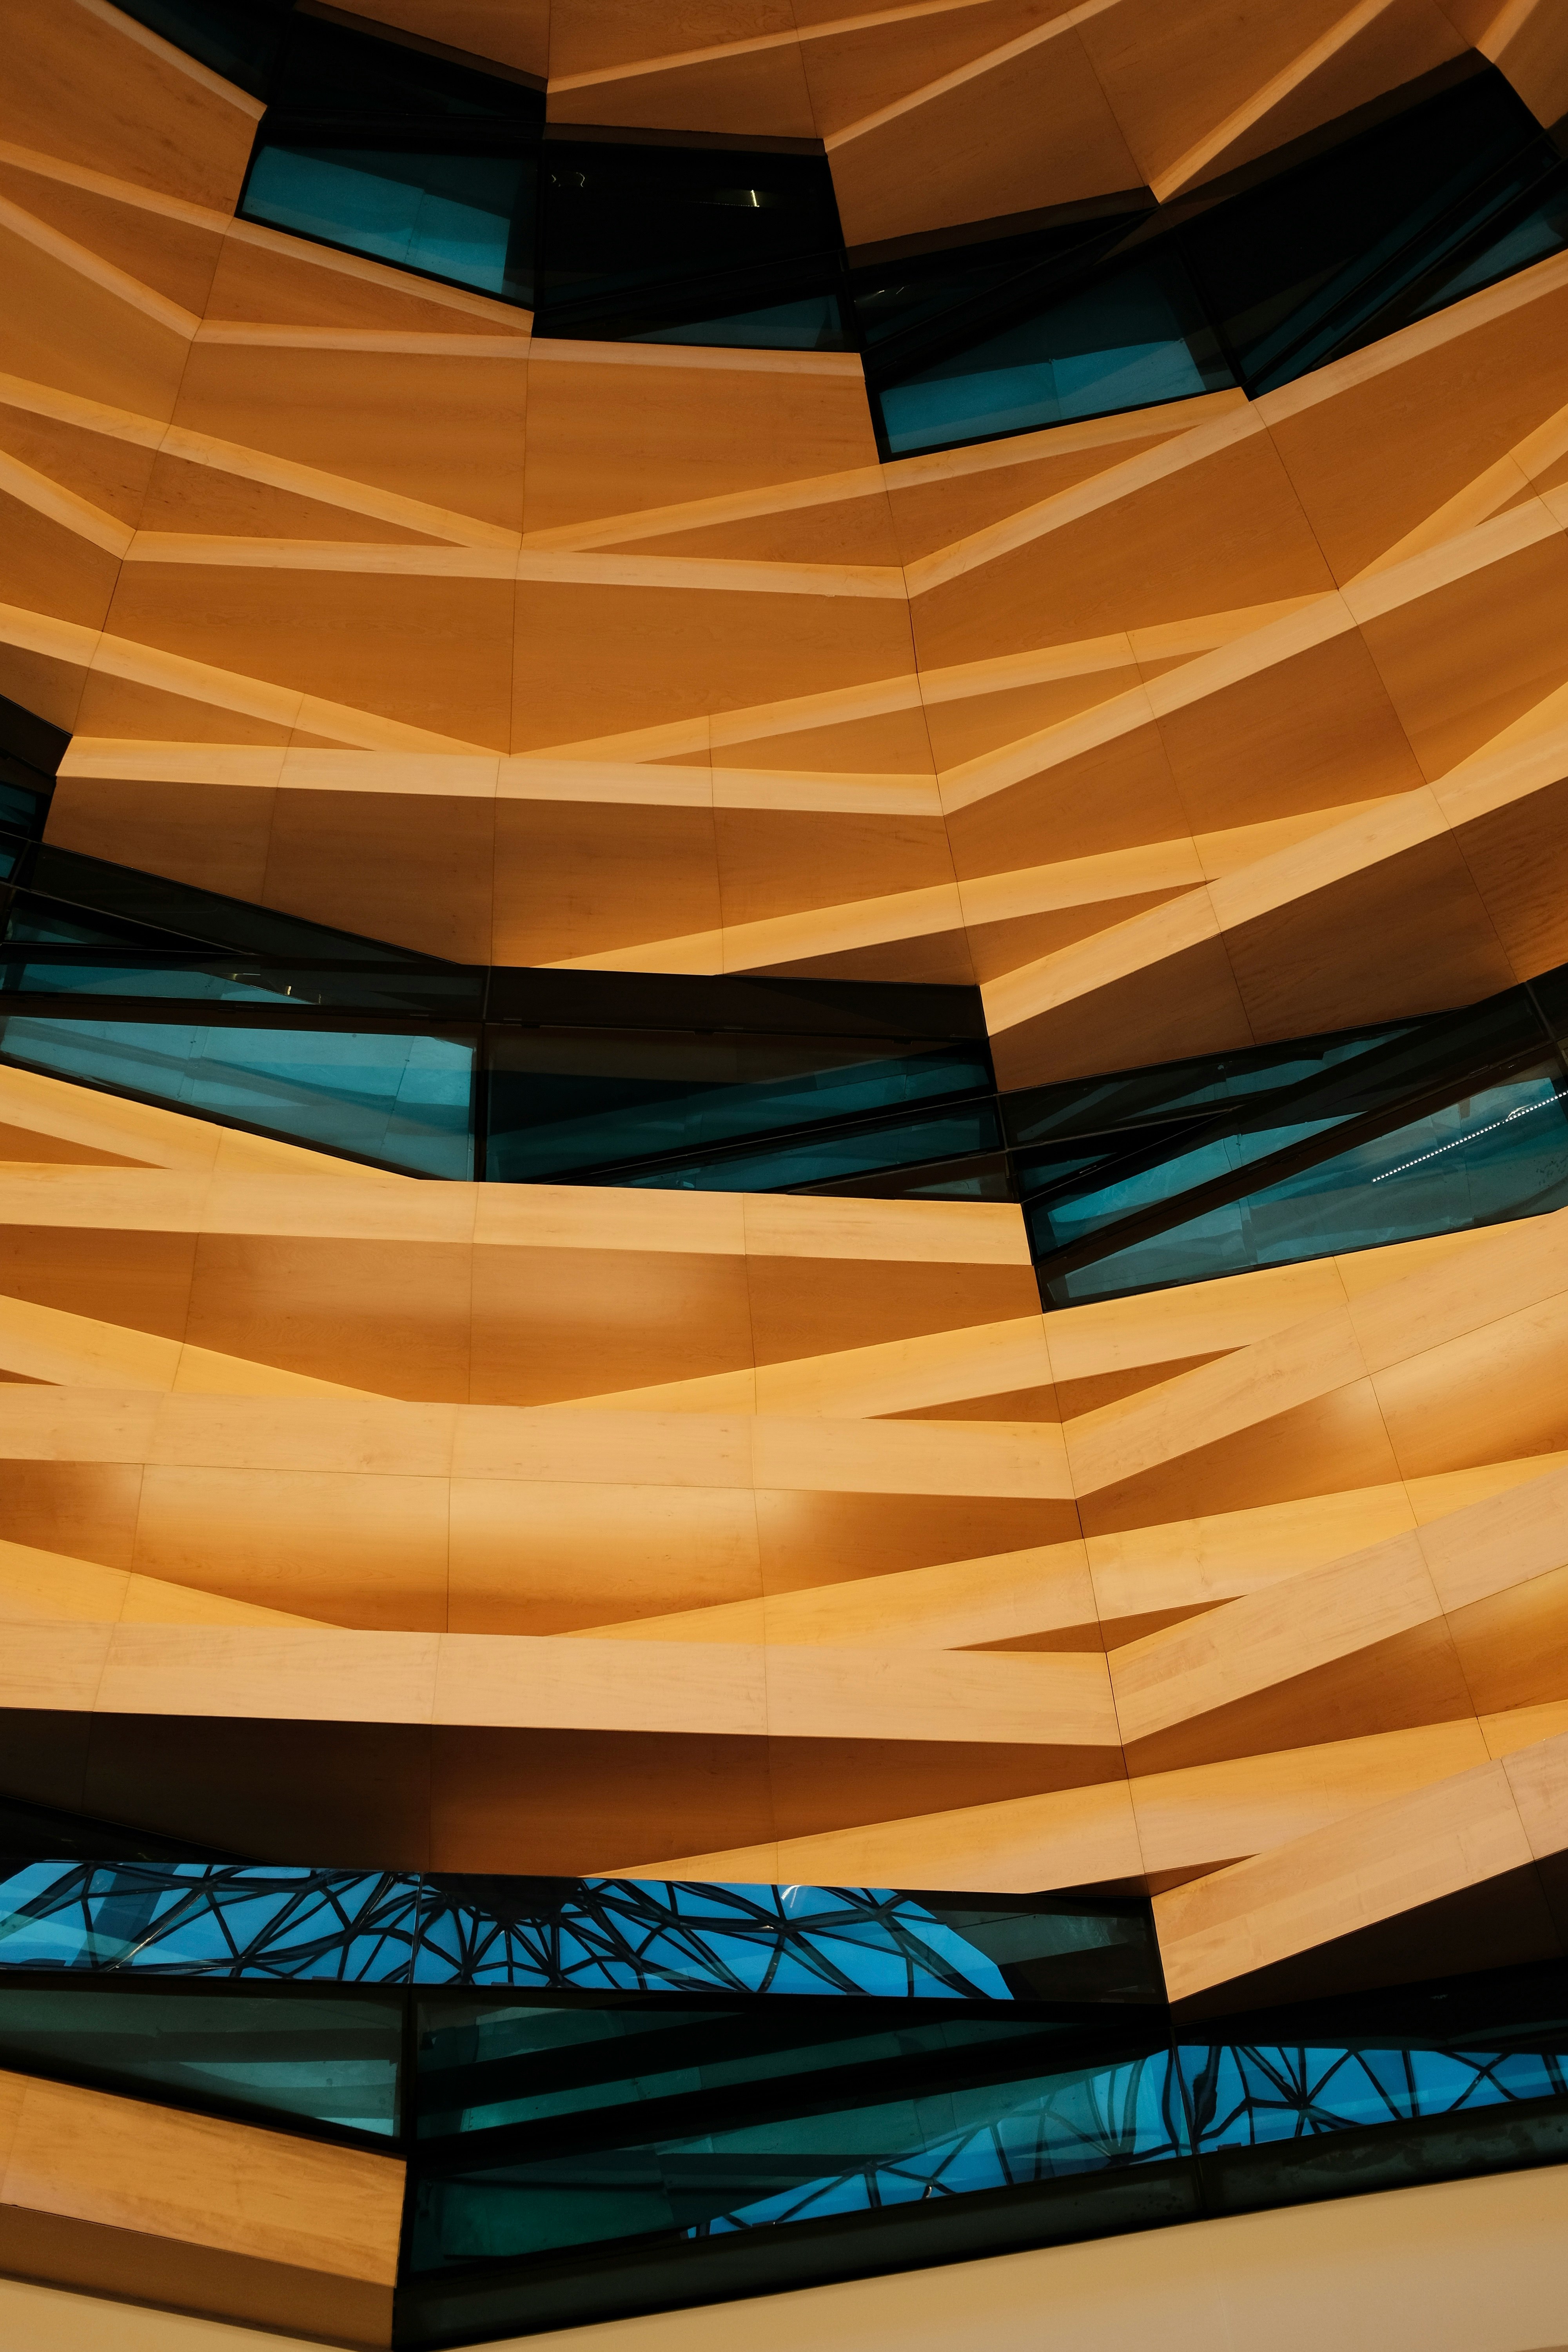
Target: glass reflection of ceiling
{"points": [[561, 1934]]}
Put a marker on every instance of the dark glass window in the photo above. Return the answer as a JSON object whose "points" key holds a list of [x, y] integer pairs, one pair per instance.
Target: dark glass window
{"points": [[703, 245], [401, 1101], [403, 154], [1422, 208], [30, 752], [1380, 2090], [328, 2061], [971, 341], [451, 216], [1260, 1159], [692, 2126], [650, 1108], [333, 73]]}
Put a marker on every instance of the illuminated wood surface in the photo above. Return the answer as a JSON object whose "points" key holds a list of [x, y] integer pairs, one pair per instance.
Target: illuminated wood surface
{"points": [[508, 1527], [121, 2196]]}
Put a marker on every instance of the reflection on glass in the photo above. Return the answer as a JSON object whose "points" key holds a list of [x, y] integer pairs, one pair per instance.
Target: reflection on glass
{"points": [[1353, 242], [402, 1100], [1542, 230], [1248, 2097], [1129, 342], [1009, 2136], [1487, 1157], [608, 1101], [951, 2128], [335, 2061], [481, 2069], [448, 215], [1171, 1092], [830, 1159], [566, 1934], [1069, 1218]]}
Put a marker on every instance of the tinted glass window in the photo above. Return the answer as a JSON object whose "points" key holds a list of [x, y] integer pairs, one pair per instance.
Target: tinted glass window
{"points": [[1301, 265]]}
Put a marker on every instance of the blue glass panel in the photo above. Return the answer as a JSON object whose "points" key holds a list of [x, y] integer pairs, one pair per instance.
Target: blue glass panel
{"points": [[1129, 1099], [333, 2061], [195, 1918], [957, 291], [833, 1159], [23, 807], [400, 1099], [1246, 2095], [989, 2137], [485, 2070], [56, 975], [578, 1936], [1498, 1153], [181, 975], [559, 1105], [947, 2139], [1060, 1222], [448, 215], [1128, 342]]}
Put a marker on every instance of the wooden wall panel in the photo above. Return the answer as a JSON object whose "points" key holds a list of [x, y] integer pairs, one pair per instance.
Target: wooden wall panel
{"points": [[761, 1537], [1415, 2271], [97, 89], [1199, 92], [1166, 683], [1022, 125], [1527, 40], [512, 32], [122, 2197], [963, 112], [569, 1531]]}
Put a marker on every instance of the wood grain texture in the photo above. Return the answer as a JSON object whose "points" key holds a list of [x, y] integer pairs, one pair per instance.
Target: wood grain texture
{"points": [[1412, 2271], [123, 2196], [1213, 724], [501, 1485], [526, 1528]]}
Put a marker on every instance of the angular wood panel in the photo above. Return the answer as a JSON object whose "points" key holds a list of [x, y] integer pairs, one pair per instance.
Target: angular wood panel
{"points": [[800, 1545], [122, 2197], [1213, 724], [784, 1537]]}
